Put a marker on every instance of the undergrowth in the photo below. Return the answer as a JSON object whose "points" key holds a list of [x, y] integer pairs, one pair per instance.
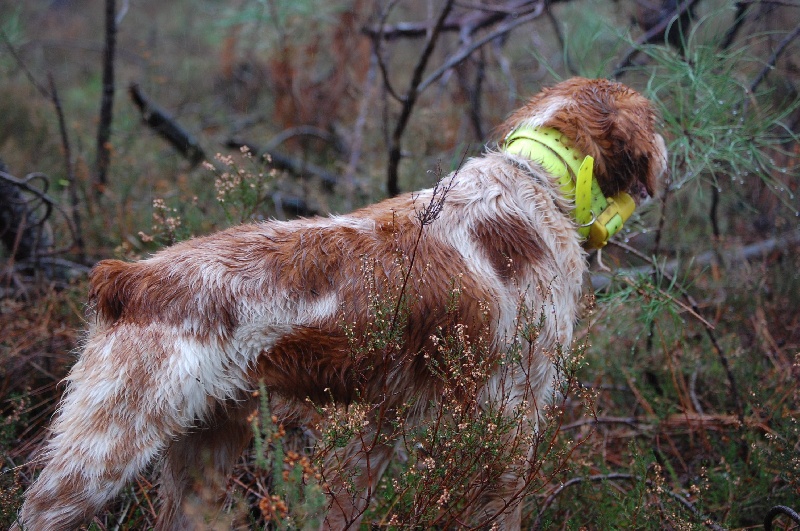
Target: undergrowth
{"points": [[678, 405]]}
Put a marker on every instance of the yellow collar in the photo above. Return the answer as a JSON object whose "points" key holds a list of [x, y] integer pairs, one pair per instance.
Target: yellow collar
{"points": [[598, 217]]}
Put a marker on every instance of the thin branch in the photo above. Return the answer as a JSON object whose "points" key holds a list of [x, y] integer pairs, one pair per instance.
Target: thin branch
{"points": [[738, 20], [21, 64], [774, 58], [465, 52], [70, 174], [560, 37], [463, 22], [410, 99], [126, 4], [706, 520], [633, 422], [741, 254], [505, 10], [378, 52], [758, 250], [650, 36], [357, 138], [74, 221], [107, 100]]}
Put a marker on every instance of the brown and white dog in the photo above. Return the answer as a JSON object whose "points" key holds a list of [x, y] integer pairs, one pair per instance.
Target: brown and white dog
{"points": [[179, 341]]}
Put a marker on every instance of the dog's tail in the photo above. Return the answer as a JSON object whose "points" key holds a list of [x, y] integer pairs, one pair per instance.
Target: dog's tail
{"points": [[110, 287]]}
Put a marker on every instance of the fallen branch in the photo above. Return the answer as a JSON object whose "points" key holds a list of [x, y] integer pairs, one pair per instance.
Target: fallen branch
{"points": [[743, 254], [674, 422], [284, 162], [166, 126]]}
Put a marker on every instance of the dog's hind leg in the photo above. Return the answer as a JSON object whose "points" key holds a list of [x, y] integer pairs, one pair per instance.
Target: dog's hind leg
{"points": [[134, 389], [196, 468]]}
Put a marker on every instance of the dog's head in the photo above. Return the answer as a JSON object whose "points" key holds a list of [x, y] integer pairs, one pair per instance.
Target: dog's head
{"points": [[607, 120]]}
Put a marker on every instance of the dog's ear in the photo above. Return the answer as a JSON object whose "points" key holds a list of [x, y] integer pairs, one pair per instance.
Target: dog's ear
{"points": [[604, 119]]}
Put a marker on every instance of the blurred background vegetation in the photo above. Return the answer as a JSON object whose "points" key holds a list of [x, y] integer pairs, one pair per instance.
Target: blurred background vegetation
{"points": [[694, 360]]}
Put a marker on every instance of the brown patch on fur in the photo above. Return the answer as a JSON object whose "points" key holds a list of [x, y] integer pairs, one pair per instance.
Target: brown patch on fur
{"points": [[509, 243], [310, 363], [317, 361]]}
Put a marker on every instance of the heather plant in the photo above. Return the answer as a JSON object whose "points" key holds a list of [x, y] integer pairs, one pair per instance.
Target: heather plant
{"points": [[453, 445], [242, 187], [291, 496], [679, 375]]}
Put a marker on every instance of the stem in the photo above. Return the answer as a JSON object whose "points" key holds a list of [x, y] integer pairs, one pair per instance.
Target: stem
{"points": [[410, 99], [107, 101], [73, 185]]}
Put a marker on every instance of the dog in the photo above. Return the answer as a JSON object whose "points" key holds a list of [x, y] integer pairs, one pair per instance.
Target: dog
{"points": [[178, 342]]}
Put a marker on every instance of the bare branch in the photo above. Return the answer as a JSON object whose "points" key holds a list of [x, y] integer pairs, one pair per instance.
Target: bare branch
{"points": [[774, 58], [75, 228], [410, 99], [650, 36], [738, 20], [21, 64], [166, 126], [107, 100], [742, 254], [466, 51], [378, 52], [706, 520]]}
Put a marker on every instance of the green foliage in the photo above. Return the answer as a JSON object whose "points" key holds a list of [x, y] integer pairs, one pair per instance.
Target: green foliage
{"points": [[720, 130], [295, 499]]}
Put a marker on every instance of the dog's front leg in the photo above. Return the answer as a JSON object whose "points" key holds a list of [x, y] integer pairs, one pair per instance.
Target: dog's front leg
{"points": [[519, 391], [353, 474]]}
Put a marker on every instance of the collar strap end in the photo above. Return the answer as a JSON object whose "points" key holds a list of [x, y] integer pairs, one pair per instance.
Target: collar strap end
{"points": [[576, 178]]}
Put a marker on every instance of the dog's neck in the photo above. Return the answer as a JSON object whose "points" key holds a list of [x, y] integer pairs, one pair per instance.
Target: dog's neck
{"points": [[598, 217]]}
